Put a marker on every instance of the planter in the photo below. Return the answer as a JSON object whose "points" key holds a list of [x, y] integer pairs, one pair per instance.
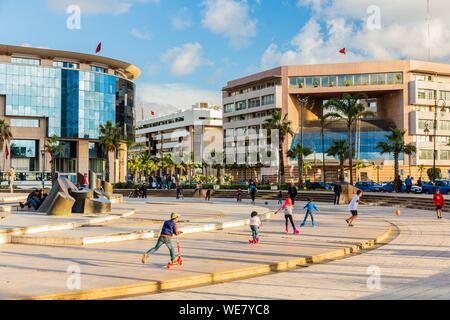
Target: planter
{"points": [[273, 187]]}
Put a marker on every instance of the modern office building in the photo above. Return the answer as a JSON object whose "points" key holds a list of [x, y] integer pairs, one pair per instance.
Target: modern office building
{"points": [[403, 94], [196, 131], [50, 92]]}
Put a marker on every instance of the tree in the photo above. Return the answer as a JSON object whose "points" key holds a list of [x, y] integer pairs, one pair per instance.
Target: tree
{"points": [[359, 164], [300, 153], [109, 139], [421, 169], [54, 148], [339, 149], [323, 124], [410, 150], [135, 165], [434, 173], [280, 123], [5, 134], [350, 110], [395, 144]]}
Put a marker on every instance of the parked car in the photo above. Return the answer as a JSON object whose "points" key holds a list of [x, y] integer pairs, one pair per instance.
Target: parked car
{"points": [[442, 185], [369, 186], [316, 185], [389, 187]]}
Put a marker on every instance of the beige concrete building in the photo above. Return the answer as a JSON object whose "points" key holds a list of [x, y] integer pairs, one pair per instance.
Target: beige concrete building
{"points": [[51, 92], [402, 94]]}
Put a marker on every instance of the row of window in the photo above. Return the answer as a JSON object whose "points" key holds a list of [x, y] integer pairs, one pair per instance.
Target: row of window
{"points": [[429, 78], [428, 154], [430, 94], [346, 80], [255, 87], [254, 115], [251, 103], [162, 123], [429, 124], [25, 123]]}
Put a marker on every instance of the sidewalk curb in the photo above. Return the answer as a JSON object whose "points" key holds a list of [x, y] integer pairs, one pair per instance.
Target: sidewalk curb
{"points": [[217, 277]]}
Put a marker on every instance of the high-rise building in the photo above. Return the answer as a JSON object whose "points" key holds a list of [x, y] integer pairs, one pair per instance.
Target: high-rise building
{"points": [[50, 92], [402, 94]]}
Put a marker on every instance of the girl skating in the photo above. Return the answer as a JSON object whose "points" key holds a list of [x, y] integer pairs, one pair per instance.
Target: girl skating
{"points": [[255, 226], [288, 209]]}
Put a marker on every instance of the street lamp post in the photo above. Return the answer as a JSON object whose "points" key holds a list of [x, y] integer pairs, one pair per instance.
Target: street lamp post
{"points": [[43, 168]]}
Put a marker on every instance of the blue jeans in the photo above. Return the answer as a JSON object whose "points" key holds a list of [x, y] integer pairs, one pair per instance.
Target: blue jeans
{"points": [[255, 232], [168, 243], [35, 203], [308, 213]]}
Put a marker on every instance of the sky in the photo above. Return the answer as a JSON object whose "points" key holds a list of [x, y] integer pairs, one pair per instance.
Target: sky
{"points": [[188, 50]]}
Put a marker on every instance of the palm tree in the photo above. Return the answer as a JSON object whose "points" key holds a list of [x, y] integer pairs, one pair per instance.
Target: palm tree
{"points": [[110, 138], [5, 135], [396, 145], [300, 153], [283, 125], [323, 124], [135, 164], [54, 148], [410, 150], [421, 169], [359, 164], [339, 149], [351, 110]]}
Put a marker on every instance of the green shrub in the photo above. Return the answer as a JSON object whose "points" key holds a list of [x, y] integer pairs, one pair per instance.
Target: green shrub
{"points": [[434, 174]]}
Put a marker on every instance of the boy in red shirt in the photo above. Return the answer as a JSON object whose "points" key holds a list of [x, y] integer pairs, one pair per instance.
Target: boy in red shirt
{"points": [[438, 199]]}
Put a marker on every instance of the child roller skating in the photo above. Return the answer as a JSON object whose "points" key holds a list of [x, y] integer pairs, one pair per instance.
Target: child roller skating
{"points": [[310, 207], [288, 208], [255, 226], [169, 230]]}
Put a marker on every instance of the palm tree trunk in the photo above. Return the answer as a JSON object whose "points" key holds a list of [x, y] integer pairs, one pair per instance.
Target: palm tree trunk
{"points": [[350, 152], [107, 167], [323, 158], [282, 178], [53, 168], [299, 163], [341, 174], [398, 188]]}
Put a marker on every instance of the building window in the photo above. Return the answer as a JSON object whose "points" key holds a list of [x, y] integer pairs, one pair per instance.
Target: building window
{"points": [[66, 65], [28, 61], [426, 94], [229, 108], [267, 100], [426, 154], [444, 125], [98, 69], [255, 102], [445, 95], [423, 124], [241, 105], [25, 123], [445, 155]]}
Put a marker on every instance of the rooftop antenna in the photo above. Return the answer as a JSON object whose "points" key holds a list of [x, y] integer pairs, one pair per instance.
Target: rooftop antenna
{"points": [[429, 36]]}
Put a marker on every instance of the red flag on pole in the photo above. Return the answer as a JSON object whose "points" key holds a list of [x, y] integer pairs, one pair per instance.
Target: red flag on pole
{"points": [[343, 51], [7, 151], [99, 48]]}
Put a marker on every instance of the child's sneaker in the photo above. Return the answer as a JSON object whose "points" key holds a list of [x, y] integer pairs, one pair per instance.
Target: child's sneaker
{"points": [[314, 225], [296, 232], [251, 242], [258, 240], [302, 225], [144, 258]]}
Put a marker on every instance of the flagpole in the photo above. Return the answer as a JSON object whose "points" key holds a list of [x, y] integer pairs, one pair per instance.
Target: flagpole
{"points": [[429, 23]]}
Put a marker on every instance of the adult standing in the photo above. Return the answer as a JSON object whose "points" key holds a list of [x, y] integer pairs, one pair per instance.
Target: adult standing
{"points": [[293, 192], [11, 179], [337, 193], [408, 184], [253, 190]]}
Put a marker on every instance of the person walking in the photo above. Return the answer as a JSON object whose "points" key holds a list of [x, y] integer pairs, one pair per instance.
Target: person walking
{"points": [[208, 195], [353, 208], [85, 181], [288, 208], [280, 197], [438, 200], [169, 229], [253, 190], [198, 188], [408, 184], [239, 195], [310, 207], [293, 192], [11, 178], [337, 193]]}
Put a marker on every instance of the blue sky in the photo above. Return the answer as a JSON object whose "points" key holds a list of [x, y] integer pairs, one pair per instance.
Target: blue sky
{"points": [[188, 50]]}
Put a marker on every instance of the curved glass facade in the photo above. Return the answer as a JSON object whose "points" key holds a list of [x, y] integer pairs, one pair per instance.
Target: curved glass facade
{"points": [[75, 102]]}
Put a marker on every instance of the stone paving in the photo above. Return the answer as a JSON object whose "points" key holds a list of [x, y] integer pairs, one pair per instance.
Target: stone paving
{"points": [[414, 265], [30, 270]]}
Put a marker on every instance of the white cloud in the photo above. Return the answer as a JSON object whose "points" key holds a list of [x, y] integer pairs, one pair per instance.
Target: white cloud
{"points": [[231, 19], [336, 24], [138, 34], [165, 98], [182, 19], [114, 7], [184, 60]]}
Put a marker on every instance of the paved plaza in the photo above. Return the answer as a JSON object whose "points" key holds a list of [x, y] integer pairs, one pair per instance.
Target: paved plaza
{"points": [[413, 260]]}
